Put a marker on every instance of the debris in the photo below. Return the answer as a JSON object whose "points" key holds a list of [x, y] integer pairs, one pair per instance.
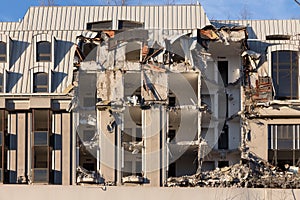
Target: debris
{"points": [[133, 179], [85, 176], [252, 172]]}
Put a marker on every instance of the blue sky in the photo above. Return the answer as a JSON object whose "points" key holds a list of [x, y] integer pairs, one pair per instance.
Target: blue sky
{"points": [[12, 10]]}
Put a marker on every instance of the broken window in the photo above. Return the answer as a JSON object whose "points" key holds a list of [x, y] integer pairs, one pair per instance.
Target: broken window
{"points": [[2, 52], [285, 72], [99, 26], [41, 146], [43, 51], [284, 144], [40, 82]]}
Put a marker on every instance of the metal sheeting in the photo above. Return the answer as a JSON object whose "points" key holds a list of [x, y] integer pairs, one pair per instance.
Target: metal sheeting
{"points": [[65, 23], [19, 73], [259, 29], [77, 17], [5, 26]]}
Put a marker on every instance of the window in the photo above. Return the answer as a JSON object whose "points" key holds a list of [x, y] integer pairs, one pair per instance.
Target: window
{"points": [[1, 83], [2, 52], [43, 51], [285, 74], [40, 82], [223, 138], [41, 147], [284, 144], [99, 26], [123, 24]]}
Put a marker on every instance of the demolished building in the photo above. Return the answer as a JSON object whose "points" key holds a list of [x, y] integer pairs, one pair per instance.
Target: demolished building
{"points": [[124, 96]]}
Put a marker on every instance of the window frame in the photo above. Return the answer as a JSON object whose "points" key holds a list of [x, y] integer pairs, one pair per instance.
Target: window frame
{"points": [[3, 55], [40, 56], [37, 87], [275, 64]]}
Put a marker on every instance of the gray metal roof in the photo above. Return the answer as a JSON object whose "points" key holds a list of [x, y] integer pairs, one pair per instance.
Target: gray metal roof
{"points": [[67, 22]]}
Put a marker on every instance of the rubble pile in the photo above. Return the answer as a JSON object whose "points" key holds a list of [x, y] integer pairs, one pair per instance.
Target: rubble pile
{"points": [[251, 173]]}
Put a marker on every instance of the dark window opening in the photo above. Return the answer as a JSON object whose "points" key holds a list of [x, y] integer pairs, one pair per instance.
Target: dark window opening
{"points": [[133, 51], [43, 51], [100, 26], [40, 82], [172, 101], [171, 135], [223, 72], [172, 170], [222, 164], [90, 51], [223, 138], [285, 74], [278, 37], [2, 52], [123, 24]]}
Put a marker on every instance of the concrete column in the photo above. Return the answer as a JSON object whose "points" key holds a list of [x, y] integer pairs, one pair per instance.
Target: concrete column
{"points": [[66, 149], [21, 144], [152, 123], [107, 147], [12, 152]]}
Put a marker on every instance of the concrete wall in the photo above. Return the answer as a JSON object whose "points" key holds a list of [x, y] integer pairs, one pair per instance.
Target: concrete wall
{"points": [[132, 193]]}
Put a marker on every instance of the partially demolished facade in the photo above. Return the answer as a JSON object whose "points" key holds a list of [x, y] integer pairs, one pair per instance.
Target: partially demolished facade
{"points": [[134, 96]]}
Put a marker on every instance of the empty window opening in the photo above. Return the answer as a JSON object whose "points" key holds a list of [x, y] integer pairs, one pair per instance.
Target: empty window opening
{"points": [[132, 145], [223, 72], [285, 72], [223, 138], [171, 135], [100, 26], [172, 100], [222, 164], [125, 25], [186, 164], [43, 51], [133, 51], [90, 51], [278, 37], [207, 166], [184, 87], [41, 146], [2, 52], [40, 82]]}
